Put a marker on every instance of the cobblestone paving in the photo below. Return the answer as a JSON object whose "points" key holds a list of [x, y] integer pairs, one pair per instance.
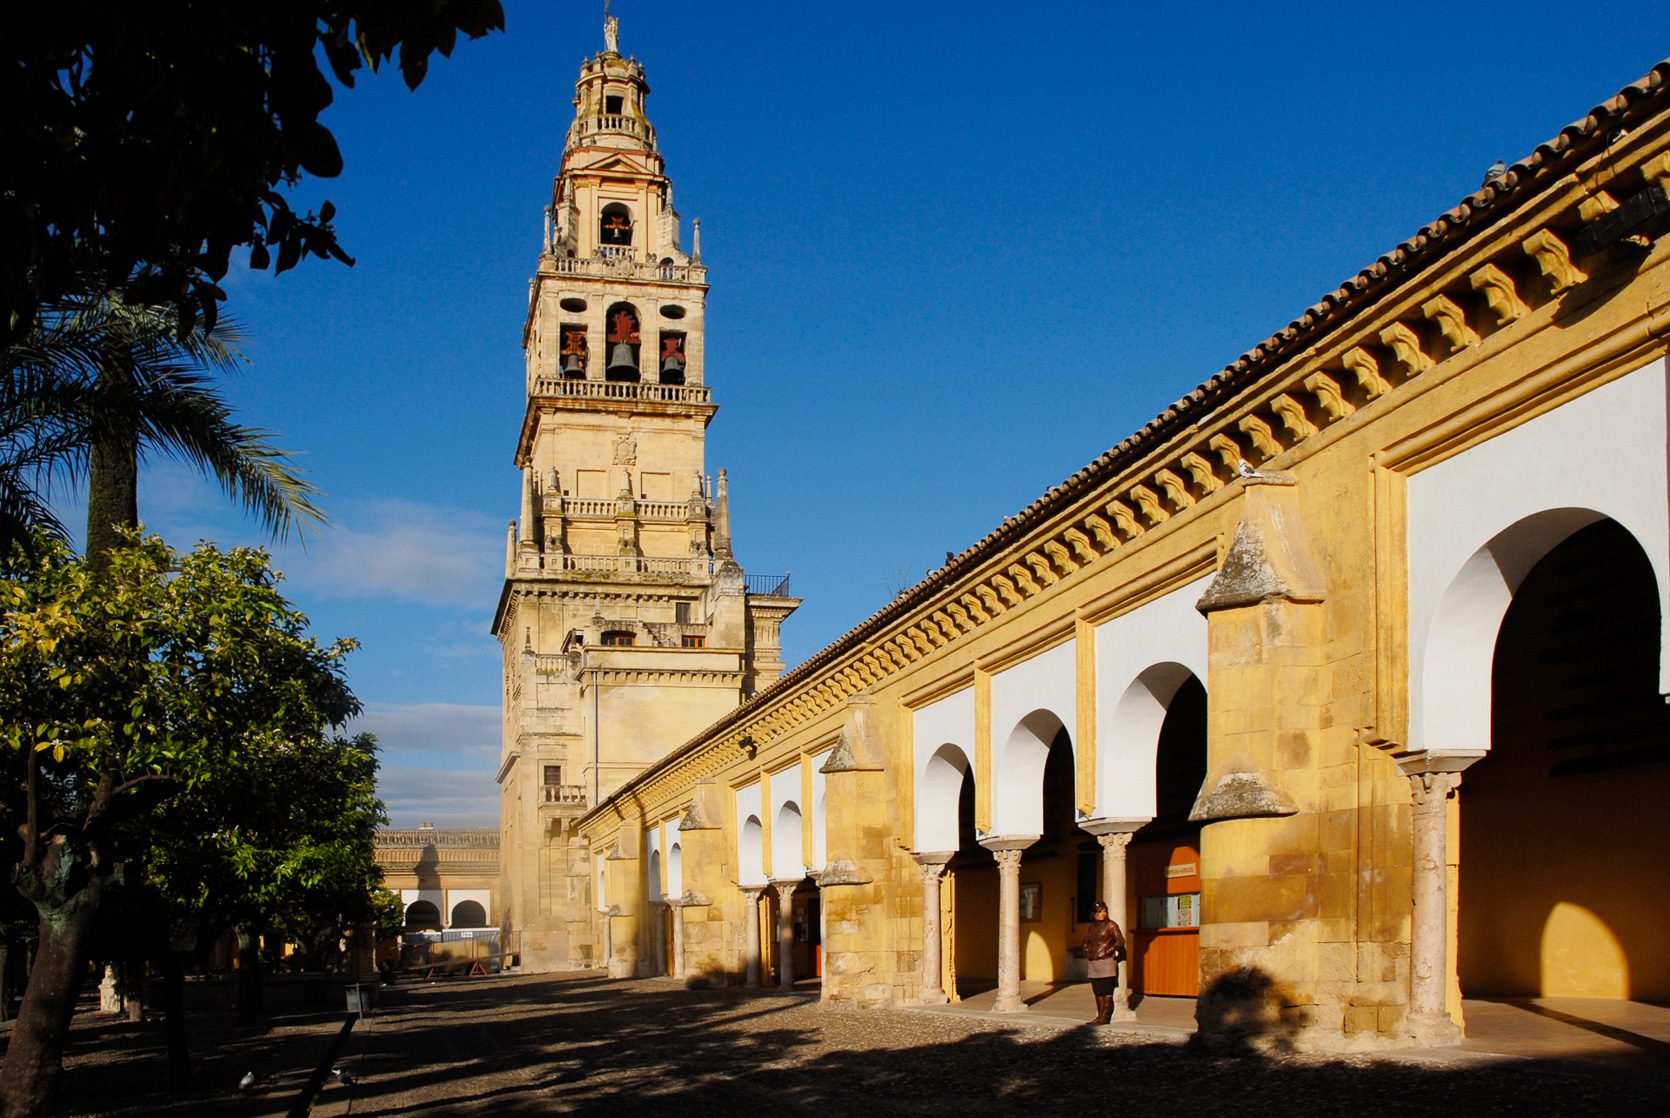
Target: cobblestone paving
{"points": [[580, 1044]]}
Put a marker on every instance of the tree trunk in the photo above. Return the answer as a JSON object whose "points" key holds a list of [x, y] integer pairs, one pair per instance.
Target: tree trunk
{"points": [[174, 1006], [249, 976], [35, 1061], [5, 983], [112, 497]]}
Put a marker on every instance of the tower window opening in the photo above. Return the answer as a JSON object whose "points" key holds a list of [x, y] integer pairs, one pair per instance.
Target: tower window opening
{"points": [[618, 638], [574, 352], [553, 775], [681, 613], [672, 358], [615, 226], [612, 105], [624, 340], [694, 640]]}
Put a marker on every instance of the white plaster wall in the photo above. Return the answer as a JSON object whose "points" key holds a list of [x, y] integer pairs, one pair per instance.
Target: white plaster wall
{"points": [[456, 897], [1478, 522], [675, 870], [820, 813], [750, 854], [1142, 657], [602, 898], [652, 859], [947, 722], [410, 897], [787, 839], [1021, 736]]}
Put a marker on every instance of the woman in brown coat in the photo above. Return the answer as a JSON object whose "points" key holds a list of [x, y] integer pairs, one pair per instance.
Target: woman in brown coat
{"points": [[1104, 946]]}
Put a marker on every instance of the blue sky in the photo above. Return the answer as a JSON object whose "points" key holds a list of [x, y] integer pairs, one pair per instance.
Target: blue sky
{"points": [[955, 255]]}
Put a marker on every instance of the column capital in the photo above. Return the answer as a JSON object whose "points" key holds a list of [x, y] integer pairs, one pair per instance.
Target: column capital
{"points": [[936, 858], [1115, 839], [752, 892], [1413, 763], [1431, 789]]}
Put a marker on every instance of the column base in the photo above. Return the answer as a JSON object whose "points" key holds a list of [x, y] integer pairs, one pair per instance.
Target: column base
{"points": [[1011, 1003], [1122, 1010], [933, 997], [1123, 1014], [1433, 1030]]}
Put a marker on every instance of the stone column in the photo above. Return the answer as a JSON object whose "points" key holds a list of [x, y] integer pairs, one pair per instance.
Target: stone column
{"points": [[785, 931], [1113, 894], [1429, 1016], [1008, 854], [678, 940], [933, 865], [751, 934]]}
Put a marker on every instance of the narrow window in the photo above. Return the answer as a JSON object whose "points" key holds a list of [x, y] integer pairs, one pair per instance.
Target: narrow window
{"points": [[693, 640]]}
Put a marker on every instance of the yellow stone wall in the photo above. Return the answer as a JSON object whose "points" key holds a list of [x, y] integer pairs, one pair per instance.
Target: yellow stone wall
{"points": [[1483, 325]]}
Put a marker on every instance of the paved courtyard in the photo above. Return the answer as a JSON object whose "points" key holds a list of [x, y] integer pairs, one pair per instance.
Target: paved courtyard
{"points": [[577, 1043]]}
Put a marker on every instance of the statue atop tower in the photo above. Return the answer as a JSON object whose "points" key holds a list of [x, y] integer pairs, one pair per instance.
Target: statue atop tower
{"points": [[626, 622]]}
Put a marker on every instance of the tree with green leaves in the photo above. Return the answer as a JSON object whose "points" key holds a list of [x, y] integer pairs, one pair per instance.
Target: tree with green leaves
{"points": [[121, 689], [146, 140]]}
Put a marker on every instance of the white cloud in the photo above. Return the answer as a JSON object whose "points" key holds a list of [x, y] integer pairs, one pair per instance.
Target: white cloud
{"points": [[439, 760], [392, 548]]}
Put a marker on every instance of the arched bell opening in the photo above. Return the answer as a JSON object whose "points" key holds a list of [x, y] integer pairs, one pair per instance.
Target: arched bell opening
{"points": [[614, 228], [1564, 889], [621, 327], [672, 359], [1163, 859], [574, 352]]}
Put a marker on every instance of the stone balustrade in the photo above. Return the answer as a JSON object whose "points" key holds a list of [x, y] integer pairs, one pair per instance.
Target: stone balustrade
{"points": [[619, 262], [567, 388]]}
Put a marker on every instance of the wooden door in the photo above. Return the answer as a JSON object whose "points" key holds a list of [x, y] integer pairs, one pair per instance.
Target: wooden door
{"points": [[1165, 940]]}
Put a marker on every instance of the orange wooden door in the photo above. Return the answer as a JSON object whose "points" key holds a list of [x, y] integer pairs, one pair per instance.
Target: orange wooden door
{"points": [[1165, 961]]}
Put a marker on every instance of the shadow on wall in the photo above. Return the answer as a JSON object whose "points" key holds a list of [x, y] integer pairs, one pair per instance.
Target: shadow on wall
{"points": [[1247, 1013]]}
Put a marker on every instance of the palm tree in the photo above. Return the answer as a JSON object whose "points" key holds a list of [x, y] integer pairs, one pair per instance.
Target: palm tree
{"points": [[95, 385]]}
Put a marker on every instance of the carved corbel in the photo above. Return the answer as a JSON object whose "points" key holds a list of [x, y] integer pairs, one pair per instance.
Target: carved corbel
{"points": [[1125, 520], [946, 625], [931, 628], [1040, 565], [1554, 258], [1263, 439], [1292, 414], [1176, 490], [919, 639], [1023, 579], [1006, 590], [1366, 369], [1103, 531], [1227, 450], [1149, 502], [991, 598], [1328, 396], [1499, 293], [1657, 171], [1451, 320], [1405, 345], [1081, 545], [1061, 557], [1598, 204], [976, 608], [1200, 468]]}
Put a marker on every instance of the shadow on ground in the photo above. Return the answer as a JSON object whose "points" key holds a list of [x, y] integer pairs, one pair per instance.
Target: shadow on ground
{"points": [[579, 1044]]}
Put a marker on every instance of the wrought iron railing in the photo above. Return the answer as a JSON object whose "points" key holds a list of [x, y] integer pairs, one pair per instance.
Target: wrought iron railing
{"points": [[769, 586]]}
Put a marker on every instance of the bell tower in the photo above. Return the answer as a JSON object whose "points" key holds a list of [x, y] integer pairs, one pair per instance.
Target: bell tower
{"points": [[627, 624]]}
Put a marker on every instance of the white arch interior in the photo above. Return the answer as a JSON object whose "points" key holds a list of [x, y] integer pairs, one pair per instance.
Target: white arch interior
{"points": [[653, 884], [820, 813], [675, 871], [1479, 521], [750, 846], [786, 860], [1031, 702], [751, 852], [602, 885], [946, 723], [1018, 781], [938, 789], [1142, 657]]}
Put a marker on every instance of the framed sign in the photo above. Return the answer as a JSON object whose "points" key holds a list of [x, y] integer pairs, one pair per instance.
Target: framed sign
{"points": [[1032, 902]]}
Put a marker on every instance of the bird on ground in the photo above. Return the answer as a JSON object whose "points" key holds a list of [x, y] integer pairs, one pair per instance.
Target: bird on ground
{"points": [[247, 1081], [343, 1077], [1498, 171]]}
